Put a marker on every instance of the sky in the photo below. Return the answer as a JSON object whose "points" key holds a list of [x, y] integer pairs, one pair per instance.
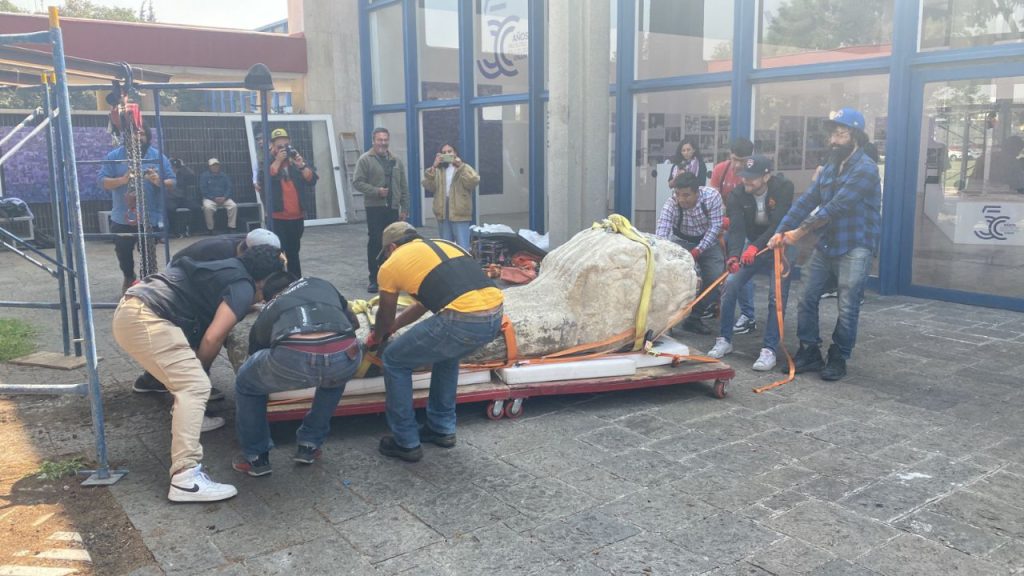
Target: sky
{"points": [[247, 14]]}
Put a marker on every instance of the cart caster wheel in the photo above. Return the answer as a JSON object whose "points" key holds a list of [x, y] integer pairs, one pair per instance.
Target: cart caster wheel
{"points": [[719, 390], [514, 409], [496, 409]]}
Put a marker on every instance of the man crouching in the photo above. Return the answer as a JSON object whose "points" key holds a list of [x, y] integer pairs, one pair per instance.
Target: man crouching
{"points": [[305, 336]]}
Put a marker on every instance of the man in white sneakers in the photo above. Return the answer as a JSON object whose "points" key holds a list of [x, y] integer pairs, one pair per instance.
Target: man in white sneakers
{"points": [[174, 324], [755, 211]]}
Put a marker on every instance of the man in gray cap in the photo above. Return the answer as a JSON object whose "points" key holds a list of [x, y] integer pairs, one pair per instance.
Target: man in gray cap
{"points": [[208, 250], [755, 210]]}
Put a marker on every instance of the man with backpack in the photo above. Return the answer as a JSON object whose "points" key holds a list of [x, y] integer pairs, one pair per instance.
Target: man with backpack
{"points": [[692, 218], [754, 213]]}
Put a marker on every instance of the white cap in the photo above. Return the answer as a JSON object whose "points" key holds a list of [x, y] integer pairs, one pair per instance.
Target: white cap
{"points": [[213, 161], [262, 237]]}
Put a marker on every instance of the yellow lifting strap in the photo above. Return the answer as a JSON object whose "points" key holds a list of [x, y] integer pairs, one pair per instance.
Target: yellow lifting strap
{"points": [[620, 224], [366, 309]]}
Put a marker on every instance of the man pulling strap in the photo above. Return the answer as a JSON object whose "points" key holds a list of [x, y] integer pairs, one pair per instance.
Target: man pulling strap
{"points": [[467, 309]]}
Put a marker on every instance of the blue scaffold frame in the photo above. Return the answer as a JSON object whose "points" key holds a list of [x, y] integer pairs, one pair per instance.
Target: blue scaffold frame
{"points": [[69, 265]]}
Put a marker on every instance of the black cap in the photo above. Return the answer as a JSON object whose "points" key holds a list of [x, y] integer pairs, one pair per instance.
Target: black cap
{"points": [[756, 166]]}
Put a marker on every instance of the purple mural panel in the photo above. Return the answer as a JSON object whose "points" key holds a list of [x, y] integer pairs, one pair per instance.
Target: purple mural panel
{"points": [[26, 174]]}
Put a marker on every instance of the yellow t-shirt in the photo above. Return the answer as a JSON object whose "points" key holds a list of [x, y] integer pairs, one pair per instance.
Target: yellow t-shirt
{"points": [[407, 266]]}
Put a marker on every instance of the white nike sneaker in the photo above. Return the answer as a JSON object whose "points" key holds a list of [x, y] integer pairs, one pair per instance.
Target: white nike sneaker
{"points": [[766, 361], [194, 485], [721, 348]]}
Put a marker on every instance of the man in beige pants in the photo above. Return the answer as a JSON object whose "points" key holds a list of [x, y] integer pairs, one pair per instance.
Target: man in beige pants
{"points": [[174, 324]]}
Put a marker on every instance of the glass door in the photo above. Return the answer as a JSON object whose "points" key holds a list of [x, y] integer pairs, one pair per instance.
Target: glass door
{"points": [[967, 211], [313, 136]]}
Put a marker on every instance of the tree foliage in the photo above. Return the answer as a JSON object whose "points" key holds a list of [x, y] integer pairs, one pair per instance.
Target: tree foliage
{"points": [[801, 25]]}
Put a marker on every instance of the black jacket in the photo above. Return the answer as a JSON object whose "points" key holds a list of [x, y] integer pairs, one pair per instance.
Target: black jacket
{"points": [[304, 188], [742, 211]]}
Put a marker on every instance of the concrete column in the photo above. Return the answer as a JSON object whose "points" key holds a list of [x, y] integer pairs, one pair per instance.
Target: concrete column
{"points": [[577, 157], [332, 82]]}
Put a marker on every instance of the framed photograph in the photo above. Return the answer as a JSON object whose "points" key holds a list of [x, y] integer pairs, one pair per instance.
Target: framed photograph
{"points": [[707, 123]]}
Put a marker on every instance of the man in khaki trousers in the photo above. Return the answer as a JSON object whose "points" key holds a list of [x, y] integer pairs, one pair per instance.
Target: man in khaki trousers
{"points": [[174, 324]]}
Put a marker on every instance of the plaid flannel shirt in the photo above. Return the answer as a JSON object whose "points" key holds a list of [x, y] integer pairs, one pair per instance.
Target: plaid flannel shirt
{"points": [[704, 219], [850, 207]]}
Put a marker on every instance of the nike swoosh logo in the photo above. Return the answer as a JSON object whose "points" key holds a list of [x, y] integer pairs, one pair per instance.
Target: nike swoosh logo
{"points": [[194, 488]]}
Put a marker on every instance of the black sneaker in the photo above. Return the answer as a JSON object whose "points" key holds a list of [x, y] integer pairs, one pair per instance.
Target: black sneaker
{"points": [[372, 288], [147, 383], [835, 369], [443, 440], [744, 325], [808, 359], [696, 325], [307, 454], [258, 467], [389, 447]]}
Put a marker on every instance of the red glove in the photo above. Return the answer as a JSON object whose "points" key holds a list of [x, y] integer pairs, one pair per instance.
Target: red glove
{"points": [[732, 265], [371, 341], [749, 255], [695, 253]]}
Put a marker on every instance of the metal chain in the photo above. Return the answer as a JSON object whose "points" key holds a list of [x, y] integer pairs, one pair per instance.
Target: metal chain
{"points": [[131, 137]]}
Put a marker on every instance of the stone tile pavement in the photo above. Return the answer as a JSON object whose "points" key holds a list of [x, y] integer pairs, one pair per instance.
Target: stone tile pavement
{"points": [[914, 464]]}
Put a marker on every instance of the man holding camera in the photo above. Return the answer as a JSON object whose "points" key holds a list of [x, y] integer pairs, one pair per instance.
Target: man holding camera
{"points": [[381, 177], [291, 179]]}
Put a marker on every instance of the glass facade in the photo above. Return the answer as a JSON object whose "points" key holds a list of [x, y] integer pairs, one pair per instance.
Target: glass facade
{"points": [[969, 196], [663, 121], [437, 33], [675, 38], [387, 55], [815, 31], [503, 161], [711, 71], [966, 23], [501, 53]]}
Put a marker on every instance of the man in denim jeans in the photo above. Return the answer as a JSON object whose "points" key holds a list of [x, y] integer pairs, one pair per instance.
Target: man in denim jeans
{"points": [[467, 311], [848, 196], [304, 337]]}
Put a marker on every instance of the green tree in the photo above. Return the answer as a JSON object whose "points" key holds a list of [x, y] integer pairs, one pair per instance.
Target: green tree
{"points": [[94, 11], [801, 25]]}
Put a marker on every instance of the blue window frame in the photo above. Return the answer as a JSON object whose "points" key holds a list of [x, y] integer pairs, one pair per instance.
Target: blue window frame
{"points": [[905, 65]]}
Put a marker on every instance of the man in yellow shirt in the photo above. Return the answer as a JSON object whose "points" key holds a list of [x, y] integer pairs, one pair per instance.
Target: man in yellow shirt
{"points": [[467, 312]]}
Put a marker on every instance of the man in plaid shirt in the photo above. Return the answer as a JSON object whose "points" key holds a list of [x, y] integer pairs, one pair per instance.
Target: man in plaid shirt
{"points": [[692, 218], [848, 198]]}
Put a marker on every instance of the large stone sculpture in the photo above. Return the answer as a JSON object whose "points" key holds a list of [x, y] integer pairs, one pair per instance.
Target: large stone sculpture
{"points": [[588, 290]]}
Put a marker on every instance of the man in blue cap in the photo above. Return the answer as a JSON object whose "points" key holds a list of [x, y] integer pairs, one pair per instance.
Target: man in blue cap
{"points": [[755, 210], [848, 221]]}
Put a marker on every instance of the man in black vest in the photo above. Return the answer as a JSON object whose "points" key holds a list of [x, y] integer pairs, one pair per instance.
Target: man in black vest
{"points": [[304, 337], [174, 324], [467, 311]]}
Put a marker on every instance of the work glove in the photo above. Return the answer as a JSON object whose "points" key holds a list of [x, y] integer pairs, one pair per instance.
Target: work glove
{"points": [[749, 255], [696, 252], [732, 265], [372, 343]]}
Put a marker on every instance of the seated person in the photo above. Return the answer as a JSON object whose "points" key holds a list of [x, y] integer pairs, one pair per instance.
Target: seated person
{"points": [[174, 324], [216, 189]]}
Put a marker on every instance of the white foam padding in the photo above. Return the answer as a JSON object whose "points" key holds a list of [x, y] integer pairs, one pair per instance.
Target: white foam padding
{"points": [[584, 369], [665, 345], [358, 386]]}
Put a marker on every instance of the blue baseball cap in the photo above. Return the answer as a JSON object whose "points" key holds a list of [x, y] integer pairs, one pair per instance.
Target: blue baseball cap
{"points": [[845, 117]]}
